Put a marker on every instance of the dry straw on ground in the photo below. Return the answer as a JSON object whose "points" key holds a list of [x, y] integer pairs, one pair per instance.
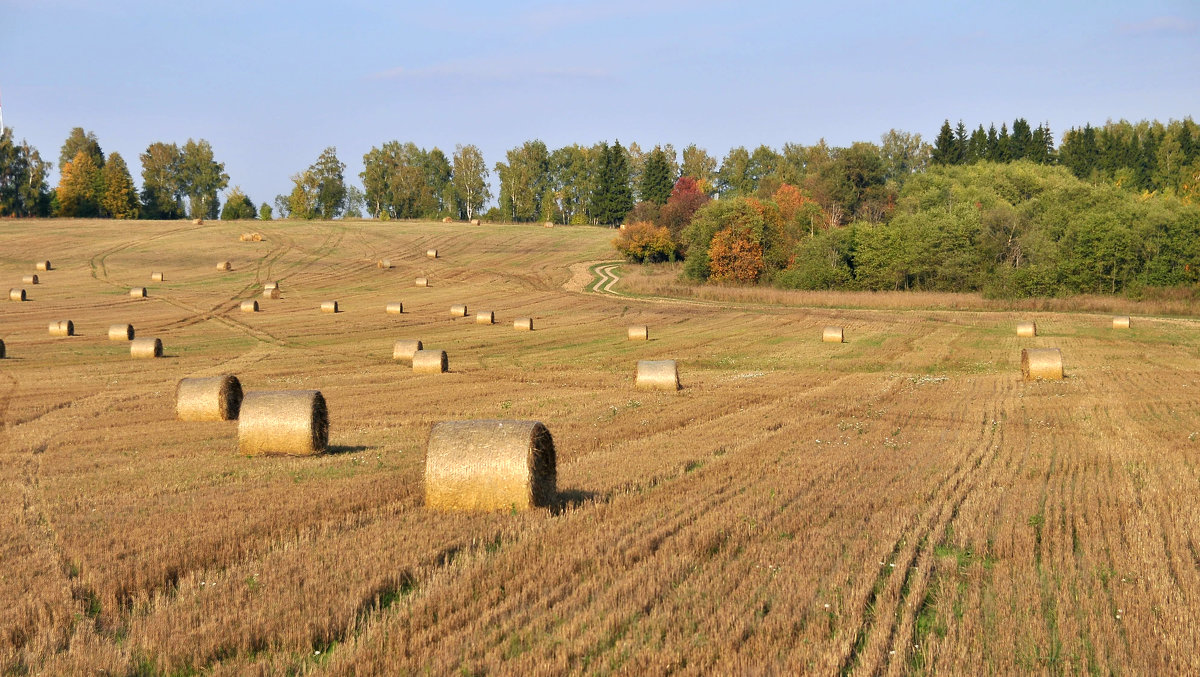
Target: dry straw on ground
{"points": [[394, 308], [1121, 322], [157, 277], [833, 335], [249, 306], [29, 279], [16, 294], [430, 362], [657, 375], [138, 292], [216, 398], [422, 282], [289, 422], [329, 306], [384, 263], [1041, 364], [431, 253], [272, 293], [62, 328], [120, 332], [638, 333], [146, 347], [224, 265], [458, 310], [404, 349], [42, 265], [489, 466], [523, 324], [251, 237], [1026, 329], [485, 317]]}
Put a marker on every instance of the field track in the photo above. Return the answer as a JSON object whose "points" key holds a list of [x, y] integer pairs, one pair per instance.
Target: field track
{"points": [[900, 503]]}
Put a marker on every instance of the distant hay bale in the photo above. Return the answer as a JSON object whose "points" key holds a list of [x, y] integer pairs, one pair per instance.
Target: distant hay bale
{"points": [[430, 362], [145, 348], [224, 265], [1043, 364], [250, 306], [833, 335], [447, 220], [404, 349], [62, 328], [42, 266], [657, 375], [272, 293], [138, 292], [29, 279], [638, 333], [329, 306], [270, 285], [422, 282], [244, 237], [16, 294], [256, 237], [157, 277], [489, 466], [120, 332], [431, 253], [458, 310], [1121, 322], [523, 324], [548, 224], [394, 308], [216, 398], [197, 222], [485, 317], [289, 422], [1026, 329], [474, 222], [383, 263]]}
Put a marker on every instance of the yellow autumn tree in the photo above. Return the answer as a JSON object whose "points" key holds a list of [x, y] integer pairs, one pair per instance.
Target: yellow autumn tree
{"points": [[79, 188]]}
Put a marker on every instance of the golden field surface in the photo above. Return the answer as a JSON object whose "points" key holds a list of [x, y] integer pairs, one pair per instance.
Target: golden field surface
{"points": [[899, 503]]}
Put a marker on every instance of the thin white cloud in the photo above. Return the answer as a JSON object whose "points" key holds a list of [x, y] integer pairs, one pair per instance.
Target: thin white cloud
{"points": [[1160, 25]]}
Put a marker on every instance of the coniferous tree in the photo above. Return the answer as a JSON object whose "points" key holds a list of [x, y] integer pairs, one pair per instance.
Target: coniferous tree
{"points": [[1021, 142], [657, 181], [943, 146], [1004, 144], [119, 198], [960, 143], [80, 187], [977, 146], [993, 144], [77, 141]]}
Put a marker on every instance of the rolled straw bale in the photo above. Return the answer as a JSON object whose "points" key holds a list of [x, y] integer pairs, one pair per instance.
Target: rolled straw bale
{"points": [[42, 265], [197, 222], [474, 222], [216, 398], [329, 306], [447, 220], [458, 310], [404, 349], [394, 308], [657, 375], [16, 294], [485, 317], [1121, 322], [384, 263], [224, 265], [1, 349], [272, 293], [244, 237], [157, 277], [832, 335], [29, 279], [145, 347], [120, 332], [138, 292], [1026, 329], [256, 237], [638, 333], [62, 328], [1041, 364], [250, 306], [431, 253], [422, 282], [523, 324], [489, 466], [548, 224], [430, 362], [270, 285], [291, 422]]}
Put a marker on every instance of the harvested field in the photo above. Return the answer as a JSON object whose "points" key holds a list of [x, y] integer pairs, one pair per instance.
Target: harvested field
{"points": [[901, 503]]}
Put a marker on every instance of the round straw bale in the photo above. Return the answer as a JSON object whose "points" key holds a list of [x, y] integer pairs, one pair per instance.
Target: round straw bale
{"points": [[657, 375], [489, 466], [384, 263], [42, 265], [1121, 322], [62, 328], [404, 349], [272, 293], [16, 294], [270, 285], [157, 277], [329, 306], [1, 349], [1041, 364], [430, 362], [474, 222], [29, 279], [1027, 329], [256, 237], [485, 317], [244, 237], [447, 220], [138, 292], [523, 324], [638, 333], [224, 265], [431, 253], [291, 422], [832, 335], [422, 282], [216, 398], [120, 332], [250, 306], [394, 308], [145, 347], [458, 310], [548, 224], [197, 222]]}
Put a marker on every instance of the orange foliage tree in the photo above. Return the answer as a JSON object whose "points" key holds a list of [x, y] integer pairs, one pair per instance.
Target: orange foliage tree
{"points": [[735, 256], [644, 242]]}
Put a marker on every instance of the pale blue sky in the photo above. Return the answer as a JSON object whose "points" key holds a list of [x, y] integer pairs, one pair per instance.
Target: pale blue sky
{"points": [[270, 84]]}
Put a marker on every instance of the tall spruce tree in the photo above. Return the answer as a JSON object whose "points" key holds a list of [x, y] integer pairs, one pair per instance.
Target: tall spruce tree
{"points": [[656, 178], [944, 146]]}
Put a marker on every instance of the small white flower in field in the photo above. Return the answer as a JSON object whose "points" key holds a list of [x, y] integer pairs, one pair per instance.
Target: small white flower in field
{"points": [[892, 565], [826, 606], [892, 652]]}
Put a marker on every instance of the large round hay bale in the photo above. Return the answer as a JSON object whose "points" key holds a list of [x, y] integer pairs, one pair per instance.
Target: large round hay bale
{"points": [[657, 375], [270, 285], [224, 265], [16, 294], [197, 222], [474, 222], [638, 333], [394, 308], [2, 353], [138, 292], [250, 306], [120, 332], [523, 324], [42, 265], [256, 237], [384, 263], [145, 347], [290, 422], [833, 335], [458, 310], [157, 277], [244, 237], [62, 328], [485, 317], [329, 306], [548, 224], [430, 362], [1026, 329], [216, 398], [447, 219], [1121, 322], [422, 282], [404, 349], [29, 279], [431, 253], [489, 466], [272, 293], [1041, 364]]}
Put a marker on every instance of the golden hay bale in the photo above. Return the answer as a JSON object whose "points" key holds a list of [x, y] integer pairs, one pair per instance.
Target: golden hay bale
{"points": [[833, 335], [42, 266], [138, 292], [120, 332], [62, 328], [395, 308], [16, 294], [638, 333], [1026, 329], [1, 349], [431, 253], [197, 222], [272, 293], [383, 263], [404, 349], [1121, 322], [485, 317], [224, 265], [157, 277], [244, 237], [458, 310], [657, 375], [250, 306], [422, 282], [291, 422], [145, 347], [489, 466], [430, 362], [474, 222], [1041, 364], [329, 306], [447, 220], [270, 285], [217, 398], [523, 324], [548, 224], [256, 237], [29, 279]]}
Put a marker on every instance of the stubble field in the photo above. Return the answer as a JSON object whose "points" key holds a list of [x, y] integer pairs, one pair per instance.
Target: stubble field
{"points": [[899, 503]]}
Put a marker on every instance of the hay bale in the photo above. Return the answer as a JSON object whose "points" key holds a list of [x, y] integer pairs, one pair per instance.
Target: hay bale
{"points": [[224, 265], [657, 375], [422, 282], [458, 310], [1121, 322], [329, 306], [29, 279], [157, 277], [548, 224], [394, 308], [145, 348], [42, 266], [244, 237], [474, 222], [16, 294], [197, 222], [489, 466], [384, 263], [2, 349], [485, 317], [1041, 364], [404, 349], [523, 324], [250, 306], [431, 253], [833, 335], [638, 333], [62, 328], [1026, 329], [291, 422], [138, 292], [216, 398], [270, 285], [120, 332], [430, 362], [447, 219], [271, 293]]}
